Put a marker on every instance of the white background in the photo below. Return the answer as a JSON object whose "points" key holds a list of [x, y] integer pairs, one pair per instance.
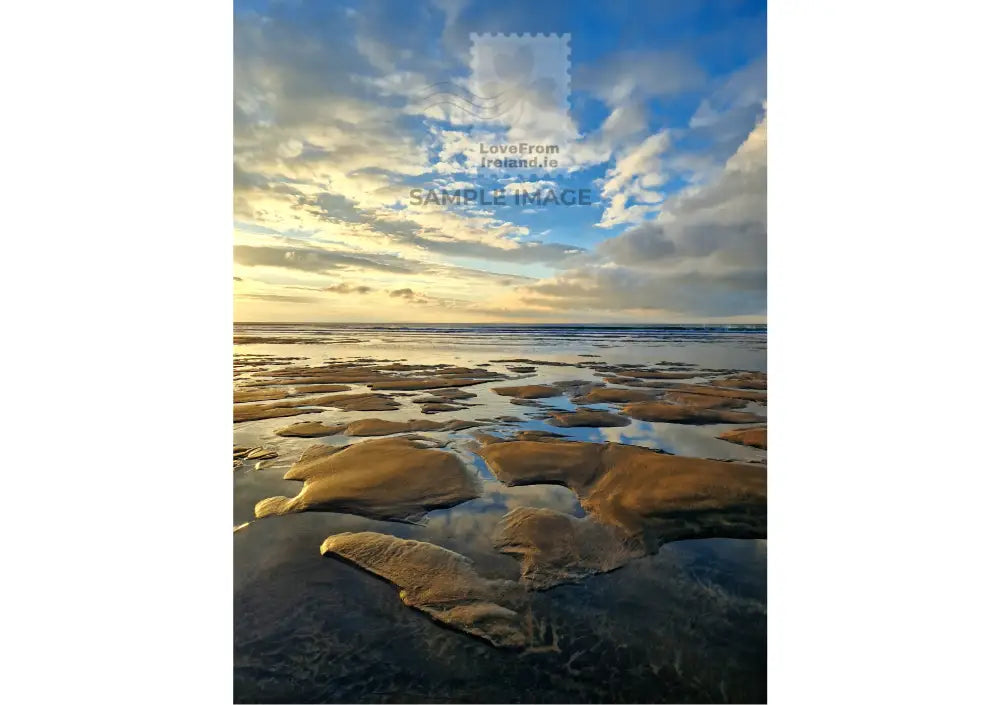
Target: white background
{"points": [[117, 169]]}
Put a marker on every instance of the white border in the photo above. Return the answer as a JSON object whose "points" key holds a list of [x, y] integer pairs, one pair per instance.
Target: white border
{"points": [[882, 269], [117, 148], [117, 173]]}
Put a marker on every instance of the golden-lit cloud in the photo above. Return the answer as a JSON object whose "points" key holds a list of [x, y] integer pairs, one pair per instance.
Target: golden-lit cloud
{"points": [[331, 138]]}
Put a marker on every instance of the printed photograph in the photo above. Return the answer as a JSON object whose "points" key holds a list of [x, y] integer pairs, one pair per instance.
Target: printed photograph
{"points": [[500, 351], [511, 295]]}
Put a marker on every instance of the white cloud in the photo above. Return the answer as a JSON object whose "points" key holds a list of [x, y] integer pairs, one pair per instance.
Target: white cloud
{"points": [[635, 172], [704, 254]]}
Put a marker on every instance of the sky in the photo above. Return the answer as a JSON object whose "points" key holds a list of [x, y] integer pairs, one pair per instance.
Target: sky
{"points": [[351, 119]]}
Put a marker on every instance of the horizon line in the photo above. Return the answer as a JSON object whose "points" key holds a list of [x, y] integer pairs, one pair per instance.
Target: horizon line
{"points": [[494, 323]]}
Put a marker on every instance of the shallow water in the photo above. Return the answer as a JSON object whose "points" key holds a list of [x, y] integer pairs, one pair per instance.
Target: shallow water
{"points": [[687, 624]]}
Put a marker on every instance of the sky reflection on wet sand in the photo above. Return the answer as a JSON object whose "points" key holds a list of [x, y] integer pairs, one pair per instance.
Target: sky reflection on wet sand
{"points": [[687, 624]]}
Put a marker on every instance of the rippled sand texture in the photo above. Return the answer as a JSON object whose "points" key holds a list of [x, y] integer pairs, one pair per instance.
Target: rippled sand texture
{"points": [[391, 478], [515, 514]]}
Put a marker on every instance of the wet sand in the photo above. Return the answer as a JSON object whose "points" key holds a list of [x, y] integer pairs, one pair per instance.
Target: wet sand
{"points": [[568, 526]]}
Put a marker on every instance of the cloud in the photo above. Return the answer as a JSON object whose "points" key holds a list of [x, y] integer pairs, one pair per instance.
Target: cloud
{"points": [[743, 88], [677, 294], [703, 255], [319, 261], [530, 186], [425, 229], [632, 178], [444, 232], [732, 108], [629, 75], [316, 260], [344, 288], [727, 217], [328, 144], [280, 298], [624, 121]]}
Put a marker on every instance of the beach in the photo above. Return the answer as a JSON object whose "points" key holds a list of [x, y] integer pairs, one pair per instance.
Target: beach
{"points": [[499, 513]]}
